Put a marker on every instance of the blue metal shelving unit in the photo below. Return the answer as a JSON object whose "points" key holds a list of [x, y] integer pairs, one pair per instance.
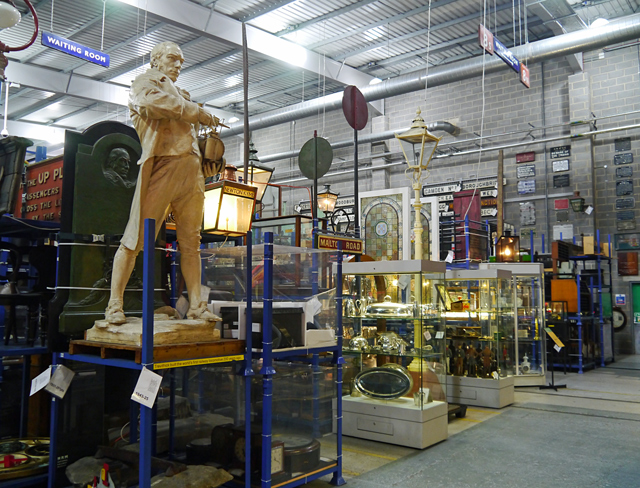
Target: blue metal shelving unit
{"points": [[267, 372]]}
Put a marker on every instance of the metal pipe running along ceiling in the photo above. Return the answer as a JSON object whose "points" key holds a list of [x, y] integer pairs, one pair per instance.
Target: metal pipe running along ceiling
{"points": [[616, 31]]}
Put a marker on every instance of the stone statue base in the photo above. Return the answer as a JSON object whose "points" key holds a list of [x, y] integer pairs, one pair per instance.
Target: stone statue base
{"points": [[166, 331]]}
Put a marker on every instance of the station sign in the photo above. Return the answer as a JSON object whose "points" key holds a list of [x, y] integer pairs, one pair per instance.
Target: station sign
{"points": [[506, 55], [43, 191], [349, 245], [74, 49]]}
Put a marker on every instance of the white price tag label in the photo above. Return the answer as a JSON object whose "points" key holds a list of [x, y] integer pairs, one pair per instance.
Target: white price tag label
{"points": [[427, 335], [146, 388], [449, 258], [440, 334], [40, 381], [404, 281], [557, 347], [589, 210], [60, 381], [495, 375]]}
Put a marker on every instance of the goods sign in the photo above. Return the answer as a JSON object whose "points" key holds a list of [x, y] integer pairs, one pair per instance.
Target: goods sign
{"points": [[560, 181], [624, 187], [561, 204], [445, 198], [349, 245], [43, 190], [560, 152], [627, 202], [624, 172], [78, 50], [626, 225], [488, 193], [526, 171], [506, 55], [560, 165], [488, 212], [456, 187], [526, 157], [526, 186], [623, 144], [625, 158], [625, 215], [447, 214], [621, 299], [488, 202]]}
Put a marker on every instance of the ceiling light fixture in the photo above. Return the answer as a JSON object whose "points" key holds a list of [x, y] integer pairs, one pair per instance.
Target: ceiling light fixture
{"points": [[8, 19]]}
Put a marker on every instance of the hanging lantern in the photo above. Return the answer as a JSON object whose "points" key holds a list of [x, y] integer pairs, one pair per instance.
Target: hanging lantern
{"points": [[9, 17], [327, 200], [508, 248], [577, 202], [229, 206], [258, 175]]}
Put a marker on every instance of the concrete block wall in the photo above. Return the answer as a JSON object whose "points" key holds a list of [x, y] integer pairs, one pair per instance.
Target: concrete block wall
{"points": [[609, 85]]}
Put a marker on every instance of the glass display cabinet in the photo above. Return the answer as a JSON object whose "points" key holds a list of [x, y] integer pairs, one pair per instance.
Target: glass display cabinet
{"points": [[395, 383], [480, 349], [529, 312], [288, 230]]}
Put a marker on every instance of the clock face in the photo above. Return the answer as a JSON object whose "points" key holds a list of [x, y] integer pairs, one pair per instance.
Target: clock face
{"points": [[277, 458], [382, 228], [238, 449]]}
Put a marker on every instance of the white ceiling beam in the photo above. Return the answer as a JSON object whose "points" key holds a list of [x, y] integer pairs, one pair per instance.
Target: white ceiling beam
{"points": [[205, 22]]}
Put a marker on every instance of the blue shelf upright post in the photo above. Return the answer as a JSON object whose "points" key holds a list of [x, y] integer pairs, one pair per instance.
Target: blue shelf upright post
{"points": [[337, 479], [579, 324], [267, 370], [146, 414], [53, 433], [248, 370], [467, 240]]}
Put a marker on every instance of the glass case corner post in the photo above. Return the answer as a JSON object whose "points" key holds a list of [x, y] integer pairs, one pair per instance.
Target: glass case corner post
{"points": [[267, 360], [146, 413], [337, 479], [248, 371]]}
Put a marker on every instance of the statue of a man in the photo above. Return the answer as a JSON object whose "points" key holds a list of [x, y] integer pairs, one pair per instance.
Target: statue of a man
{"points": [[170, 177]]}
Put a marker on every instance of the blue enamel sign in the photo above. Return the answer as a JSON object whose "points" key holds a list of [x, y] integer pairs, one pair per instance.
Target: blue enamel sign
{"points": [[506, 55], [75, 49]]}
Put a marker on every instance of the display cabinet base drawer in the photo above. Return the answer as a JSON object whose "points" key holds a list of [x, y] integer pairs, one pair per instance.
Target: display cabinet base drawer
{"points": [[481, 392], [395, 430], [375, 425]]}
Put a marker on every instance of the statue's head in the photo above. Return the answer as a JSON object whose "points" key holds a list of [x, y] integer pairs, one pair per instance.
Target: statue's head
{"points": [[167, 58], [118, 161]]}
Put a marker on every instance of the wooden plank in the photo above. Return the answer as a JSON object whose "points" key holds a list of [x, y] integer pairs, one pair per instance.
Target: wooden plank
{"points": [[162, 353]]}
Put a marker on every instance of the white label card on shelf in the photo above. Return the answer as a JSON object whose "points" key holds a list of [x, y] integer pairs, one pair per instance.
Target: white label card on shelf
{"points": [[427, 335], [557, 347], [60, 381], [316, 306], [440, 334], [40, 381], [146, 388], [449, 258]]}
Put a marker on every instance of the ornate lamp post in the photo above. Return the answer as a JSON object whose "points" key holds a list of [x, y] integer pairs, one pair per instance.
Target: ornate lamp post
{"points": [[9, 17], [327, 199], [418, 146]]}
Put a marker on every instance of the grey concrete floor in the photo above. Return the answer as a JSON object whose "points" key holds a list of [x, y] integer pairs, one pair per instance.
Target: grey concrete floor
{"points": [[586, 435]]}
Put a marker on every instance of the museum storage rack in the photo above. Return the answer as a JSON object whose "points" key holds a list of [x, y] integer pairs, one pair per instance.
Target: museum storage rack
{"points": [[34, 239], [529, 335], [588, 330], [394, 346], [261, 415], [480, 337]]}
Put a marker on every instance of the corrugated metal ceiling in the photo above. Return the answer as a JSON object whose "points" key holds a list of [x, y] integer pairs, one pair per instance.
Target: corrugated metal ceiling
{"points": [[384, 38]]}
